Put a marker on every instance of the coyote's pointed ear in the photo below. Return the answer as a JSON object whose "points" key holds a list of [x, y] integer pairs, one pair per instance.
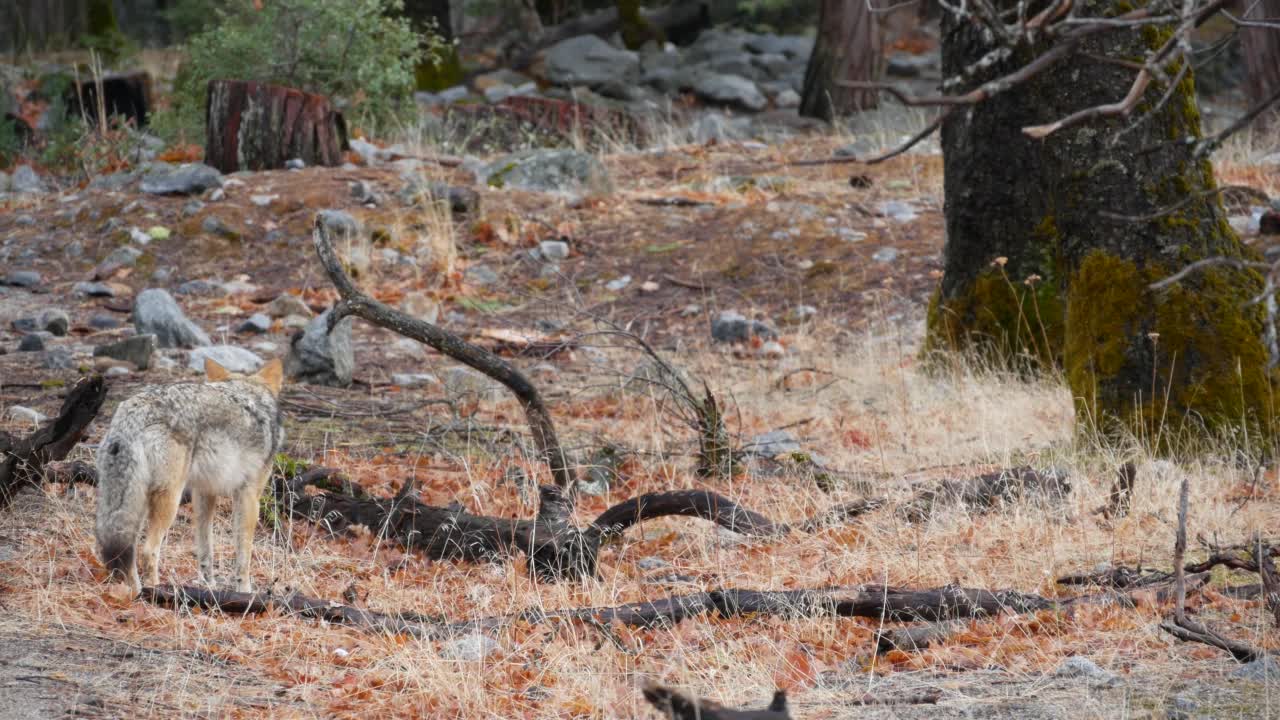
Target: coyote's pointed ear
{"points": [[271, 375], [214, 371]]}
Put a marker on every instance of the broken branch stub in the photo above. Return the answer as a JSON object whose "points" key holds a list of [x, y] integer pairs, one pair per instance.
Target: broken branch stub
{"points": [[357, 303]]}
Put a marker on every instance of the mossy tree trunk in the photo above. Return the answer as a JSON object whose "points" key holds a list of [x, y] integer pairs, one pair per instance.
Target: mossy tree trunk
{"points": [[847, 48], [1073, 291]]}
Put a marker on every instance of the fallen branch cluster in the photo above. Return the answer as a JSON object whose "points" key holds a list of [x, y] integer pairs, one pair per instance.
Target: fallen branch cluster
{"points": [[22, 460]]}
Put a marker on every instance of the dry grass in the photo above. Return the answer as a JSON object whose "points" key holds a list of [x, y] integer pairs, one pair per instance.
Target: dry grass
{"points": [[869, 409]]}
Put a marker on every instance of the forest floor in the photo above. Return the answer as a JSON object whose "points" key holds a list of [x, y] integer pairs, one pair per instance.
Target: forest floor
{"points": [[848, 386]]}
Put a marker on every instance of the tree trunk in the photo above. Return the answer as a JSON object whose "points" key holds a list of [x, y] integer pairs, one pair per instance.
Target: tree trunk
{"points": [[256, 126], [1036, 270], [847, 48], [1261, 50]]}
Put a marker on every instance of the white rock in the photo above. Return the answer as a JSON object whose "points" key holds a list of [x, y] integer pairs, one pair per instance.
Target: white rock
{"points": [[26, 414], [235, 359]]}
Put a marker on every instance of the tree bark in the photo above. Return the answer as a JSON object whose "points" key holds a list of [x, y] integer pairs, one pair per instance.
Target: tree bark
{"points": [[22, 460], [847, 48], [1052, 244], [257, 126], [1261, 50]]}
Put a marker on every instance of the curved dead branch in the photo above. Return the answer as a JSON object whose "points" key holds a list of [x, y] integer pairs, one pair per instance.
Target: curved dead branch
{"points": [[357, 303], [22, 460]]}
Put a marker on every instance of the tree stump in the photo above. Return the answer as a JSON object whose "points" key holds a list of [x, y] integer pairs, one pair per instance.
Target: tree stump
{"points": [[256, 126]]}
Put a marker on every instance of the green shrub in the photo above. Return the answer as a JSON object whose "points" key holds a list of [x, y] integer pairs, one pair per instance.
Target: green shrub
{"points": [[359, 52]]}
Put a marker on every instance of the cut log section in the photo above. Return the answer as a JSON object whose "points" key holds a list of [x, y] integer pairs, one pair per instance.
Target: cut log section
{"points": [[257, 126]]}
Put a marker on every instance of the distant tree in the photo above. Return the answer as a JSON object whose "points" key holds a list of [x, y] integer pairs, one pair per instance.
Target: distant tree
{"points": [[1261, 49], [847, 49]]}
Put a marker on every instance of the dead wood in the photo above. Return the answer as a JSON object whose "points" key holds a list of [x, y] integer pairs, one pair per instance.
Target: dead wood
{"points": [[258, 126], [22, 460], [357, 303], [1180, 626], [555, 548], [1121, 492], [677, 706], [912, 639], [1270, 580], [985, 492]]}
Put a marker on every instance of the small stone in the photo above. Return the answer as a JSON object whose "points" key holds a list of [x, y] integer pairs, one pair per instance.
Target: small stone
{"points": [[137, 350], [294, 164], [116, 371], [234, 359], [733, 327], [55, 321], [690, 310], [1077, 666], [652, 563], [899, 211], [618, 284], [773, 444], [553, 250], [25, 414], [103, 321], [288, 304], [193, 207], [265, 347], [649, 287], [262, 200], [788, 98], [409, 380], [58, 359], [93, 289], [21, 278], [158, 232], [125, 256], [31, 343], [214, 225], [257, 323], [138, 236], [471, 648], [861, 147], [363, 193], [200, 287], [481, 275], [885, 255]]}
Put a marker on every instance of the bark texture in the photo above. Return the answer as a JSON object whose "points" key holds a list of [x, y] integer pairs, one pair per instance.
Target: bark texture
{"points": [[1082, 221], [1261, 50], [847, 48], [257, 126]]}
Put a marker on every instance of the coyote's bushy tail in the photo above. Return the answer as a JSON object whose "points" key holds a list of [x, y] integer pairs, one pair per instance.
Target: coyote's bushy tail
{"points": [[123, 469]]}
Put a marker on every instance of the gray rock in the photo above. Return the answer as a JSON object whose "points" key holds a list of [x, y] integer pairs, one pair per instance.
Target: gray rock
{"points": [[885, 254], [460, 380], [188, 179], [93, 289], [137, 350], [114, 182], [567, 171], [193, 207], [553, 250], [453, 94], [319, 357], [899, 211], [116, 371], [58, 359], [588, 60], [21, 278], [461, 199], [792, 46], [410, 380], [33, 342], [787, 99], [732, 327], [774, 65], [649, 564], [618, 284], [714, 126], [257, 324], [103, 321], [729, 89], [363, 193], [21, 413], [122, 257], [294, 164], [1264, 670], [55, 321], [481, 275], [339, 224], [25, 180], [471, 648], [25, 325], [235, 359], [1080, 667], [200, 287], [860, 147], [156, 312], [773, 444], [288, 304], [214, 225]]}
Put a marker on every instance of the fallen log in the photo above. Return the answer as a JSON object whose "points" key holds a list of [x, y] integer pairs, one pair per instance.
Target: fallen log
{"points": [[258, 126], [555, 549], [677, 706], [22, 460]]}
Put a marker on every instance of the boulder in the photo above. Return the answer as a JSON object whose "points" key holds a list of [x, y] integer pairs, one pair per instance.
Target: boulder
{"points": [[729, 90], [188, 179], [320, 358], [157, 313], [588, 60], [136, 350]]}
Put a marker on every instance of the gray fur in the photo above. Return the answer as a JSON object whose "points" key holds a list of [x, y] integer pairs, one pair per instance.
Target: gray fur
{"points": [[220, 438]]}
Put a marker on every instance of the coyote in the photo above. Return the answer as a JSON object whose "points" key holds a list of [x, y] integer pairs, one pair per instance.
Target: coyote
{"points": [[215, 438]]}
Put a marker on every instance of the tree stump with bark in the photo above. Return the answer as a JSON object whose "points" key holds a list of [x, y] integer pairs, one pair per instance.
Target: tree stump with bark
{"points": [[257, 126]]}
